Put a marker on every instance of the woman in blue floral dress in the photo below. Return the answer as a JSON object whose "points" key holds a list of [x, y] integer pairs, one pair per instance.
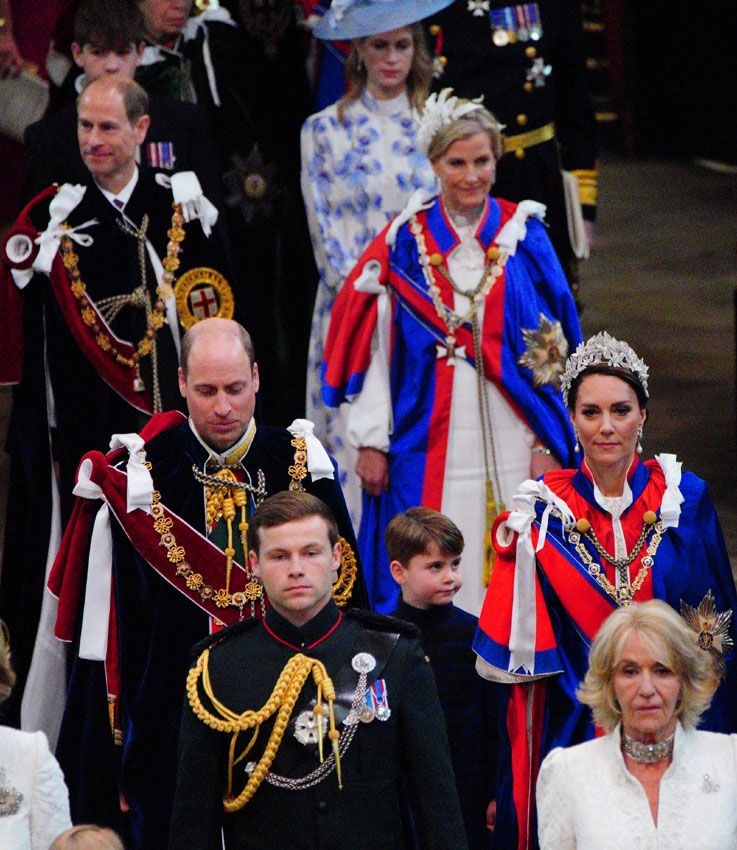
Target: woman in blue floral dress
{"points": [[360, 166]]}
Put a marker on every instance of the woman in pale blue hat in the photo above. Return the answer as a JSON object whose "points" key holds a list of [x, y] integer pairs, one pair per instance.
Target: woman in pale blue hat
{"points": [[360, 165]]}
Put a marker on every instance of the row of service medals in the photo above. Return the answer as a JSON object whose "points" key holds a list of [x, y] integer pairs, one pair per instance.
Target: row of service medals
{"points": [[516, 23], [376, 705]]}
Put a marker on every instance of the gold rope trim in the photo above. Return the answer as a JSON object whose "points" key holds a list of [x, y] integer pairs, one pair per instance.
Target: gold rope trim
{"points": [[286, 691], [530, 138], [588, 190]]}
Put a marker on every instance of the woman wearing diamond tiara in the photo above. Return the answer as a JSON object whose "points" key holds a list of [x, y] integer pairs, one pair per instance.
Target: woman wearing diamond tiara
{"points": [[360, 164], [653, 780], [581, 543], [450, 336]]}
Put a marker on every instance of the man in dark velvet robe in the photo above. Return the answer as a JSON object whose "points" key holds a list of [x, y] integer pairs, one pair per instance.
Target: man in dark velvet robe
{"points": [[161, 607], [72, 391]]}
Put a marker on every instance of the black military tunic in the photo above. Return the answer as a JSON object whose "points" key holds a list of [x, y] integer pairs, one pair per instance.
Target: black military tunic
{"points": [[526, 61], [406, 753]]}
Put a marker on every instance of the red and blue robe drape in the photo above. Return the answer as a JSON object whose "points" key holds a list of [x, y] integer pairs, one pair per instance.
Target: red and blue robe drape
{"points": [[543, 712], [532, 284]]}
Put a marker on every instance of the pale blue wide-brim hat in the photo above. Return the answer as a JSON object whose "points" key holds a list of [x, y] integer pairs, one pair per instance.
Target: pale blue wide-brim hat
{"points": [[358, 18]]}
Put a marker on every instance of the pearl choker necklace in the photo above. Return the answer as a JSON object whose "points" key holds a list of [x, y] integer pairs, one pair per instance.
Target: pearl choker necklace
{"points": [[647, 753]]}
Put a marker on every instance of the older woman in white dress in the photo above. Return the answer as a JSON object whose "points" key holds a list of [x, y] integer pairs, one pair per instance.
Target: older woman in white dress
{"points": [[360, 165], [34, 802], [653, 781]]}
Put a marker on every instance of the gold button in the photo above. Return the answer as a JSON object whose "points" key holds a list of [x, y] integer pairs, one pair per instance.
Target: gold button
{"points": [[583, 525], [493, 252], [436, 259], [528, 86], [522, 119], [434, 30], [443, 60], [649, 517], [520, 153], [530, 52]]}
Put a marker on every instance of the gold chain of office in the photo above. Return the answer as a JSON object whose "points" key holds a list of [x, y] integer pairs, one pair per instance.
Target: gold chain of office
{"points": [[155, 316]]}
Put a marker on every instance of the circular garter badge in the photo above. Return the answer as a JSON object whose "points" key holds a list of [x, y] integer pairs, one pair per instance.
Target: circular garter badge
{"points": [[203, 293]]}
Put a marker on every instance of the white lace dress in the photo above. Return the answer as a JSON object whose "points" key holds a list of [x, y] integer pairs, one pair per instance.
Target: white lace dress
{"points": [[34, 803], [588, 800], [356, 176]]}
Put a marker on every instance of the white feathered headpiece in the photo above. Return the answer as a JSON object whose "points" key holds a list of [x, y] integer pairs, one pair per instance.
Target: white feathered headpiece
{"points": [[441, 109]]}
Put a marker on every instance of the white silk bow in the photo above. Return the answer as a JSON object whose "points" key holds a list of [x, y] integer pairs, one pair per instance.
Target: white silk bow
{"points": [[319, 464]]}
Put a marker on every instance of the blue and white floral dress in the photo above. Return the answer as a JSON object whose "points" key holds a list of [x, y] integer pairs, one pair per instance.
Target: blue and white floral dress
{"points": [[356, 176]]}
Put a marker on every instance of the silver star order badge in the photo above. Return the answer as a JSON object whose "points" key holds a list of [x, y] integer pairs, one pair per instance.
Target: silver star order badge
{"points": [[478, 7], [306, 729], [538, 71]]}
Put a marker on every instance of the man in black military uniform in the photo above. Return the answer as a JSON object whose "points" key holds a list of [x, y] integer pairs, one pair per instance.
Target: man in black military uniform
{"points": [[179, 571], [109, 39], [93, 343], [526, 61], [358, 729]]}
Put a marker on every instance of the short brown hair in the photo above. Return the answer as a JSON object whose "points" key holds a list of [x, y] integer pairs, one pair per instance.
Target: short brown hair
{"points": [[667, 637], [7, 674], [189, 339], [135, 99], [413, 532], [87, 836], [109, 25], [288, 506]]}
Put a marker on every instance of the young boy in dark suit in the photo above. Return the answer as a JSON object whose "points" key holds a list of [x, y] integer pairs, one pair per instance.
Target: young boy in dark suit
{"points": [[425, 549]]}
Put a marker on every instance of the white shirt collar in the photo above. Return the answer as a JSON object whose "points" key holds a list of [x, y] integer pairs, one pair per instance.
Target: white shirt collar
{"points": [[615, 505], [124, 194]]}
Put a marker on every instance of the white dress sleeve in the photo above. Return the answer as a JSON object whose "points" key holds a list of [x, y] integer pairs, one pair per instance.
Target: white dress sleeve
{"points": [[50, 801], [554, 813], [370, 414], [330, 227]]}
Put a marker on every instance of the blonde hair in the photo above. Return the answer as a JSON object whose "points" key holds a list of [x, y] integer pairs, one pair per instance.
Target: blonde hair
{"points": [[87, 837], [418, 79], [7, 674], [478, 121], [668, 639]]}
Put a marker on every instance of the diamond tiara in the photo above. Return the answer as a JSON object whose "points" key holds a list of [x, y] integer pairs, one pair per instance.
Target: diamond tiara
{"points": [[603, 350]]}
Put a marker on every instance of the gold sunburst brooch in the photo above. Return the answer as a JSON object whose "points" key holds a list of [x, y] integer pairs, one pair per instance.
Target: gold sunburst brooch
{"points": [[711, 626], [547, 350]]}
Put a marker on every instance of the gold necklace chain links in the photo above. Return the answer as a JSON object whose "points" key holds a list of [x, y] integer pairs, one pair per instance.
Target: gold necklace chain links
{"points": [[625, 593]]}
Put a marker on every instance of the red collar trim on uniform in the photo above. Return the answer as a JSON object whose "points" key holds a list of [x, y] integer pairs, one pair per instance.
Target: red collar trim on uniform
{"points": [[312, 645]]}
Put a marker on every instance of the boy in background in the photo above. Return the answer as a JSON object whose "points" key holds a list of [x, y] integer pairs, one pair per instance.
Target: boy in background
{"points": [[425, 549]]}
